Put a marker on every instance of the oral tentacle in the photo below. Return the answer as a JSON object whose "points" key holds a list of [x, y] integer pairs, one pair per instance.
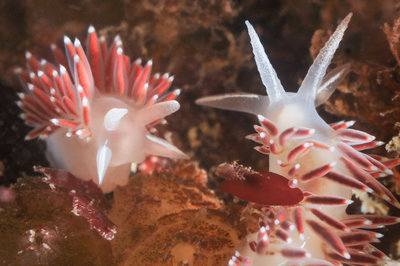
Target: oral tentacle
{"points": [[330, 82], [103, 159], [241, 102]]}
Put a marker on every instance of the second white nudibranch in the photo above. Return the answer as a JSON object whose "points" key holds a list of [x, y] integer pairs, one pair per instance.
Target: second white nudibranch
{"points": [[95, 108], [323, 160]]}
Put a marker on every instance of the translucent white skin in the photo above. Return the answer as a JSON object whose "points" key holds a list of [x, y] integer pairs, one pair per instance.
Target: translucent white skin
{"points": [[119, 138], [288, 110], [295, 114]]}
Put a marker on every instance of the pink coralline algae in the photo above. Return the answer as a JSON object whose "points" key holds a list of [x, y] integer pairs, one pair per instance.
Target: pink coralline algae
{"points": [[6, 194], [324, 161], [95, 109]]}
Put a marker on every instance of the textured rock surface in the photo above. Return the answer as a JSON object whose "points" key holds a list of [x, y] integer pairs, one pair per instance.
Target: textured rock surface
{"points": [[38, 228], [170, 218]]}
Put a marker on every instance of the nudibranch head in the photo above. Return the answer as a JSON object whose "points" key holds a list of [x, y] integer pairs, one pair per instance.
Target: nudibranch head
{"points": [[281, 106], [95, 108], [323, 160]]}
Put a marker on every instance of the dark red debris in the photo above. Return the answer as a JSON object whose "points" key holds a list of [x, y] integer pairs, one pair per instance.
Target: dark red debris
{"points": [[88, 200], [95, 217], [260, 187], [64, 179]]}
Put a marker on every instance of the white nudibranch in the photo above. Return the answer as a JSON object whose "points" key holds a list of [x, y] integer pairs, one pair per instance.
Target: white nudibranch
{"points": [[322, 160], [94, 109]]}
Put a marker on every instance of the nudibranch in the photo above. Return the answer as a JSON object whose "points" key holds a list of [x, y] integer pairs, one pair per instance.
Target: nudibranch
{"points": [[323, 160], [95, 109]]}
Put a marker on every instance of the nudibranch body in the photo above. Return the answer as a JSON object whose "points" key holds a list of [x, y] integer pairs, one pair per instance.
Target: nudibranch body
{"points": [[95, 109], [323, 160]]}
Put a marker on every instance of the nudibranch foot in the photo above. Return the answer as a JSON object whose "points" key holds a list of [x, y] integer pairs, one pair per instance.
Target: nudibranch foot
{"points": [[95, 108]]}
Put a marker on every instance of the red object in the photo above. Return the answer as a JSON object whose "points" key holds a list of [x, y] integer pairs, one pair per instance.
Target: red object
{"points": [[264, 188]]}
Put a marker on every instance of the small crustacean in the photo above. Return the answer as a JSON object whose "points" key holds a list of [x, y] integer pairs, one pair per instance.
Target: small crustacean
{"points": [[322, 160], [95, 108]]}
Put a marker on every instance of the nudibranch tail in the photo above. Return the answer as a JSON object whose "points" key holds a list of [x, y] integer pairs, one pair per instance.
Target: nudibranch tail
{"points": [[99, 102]]}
